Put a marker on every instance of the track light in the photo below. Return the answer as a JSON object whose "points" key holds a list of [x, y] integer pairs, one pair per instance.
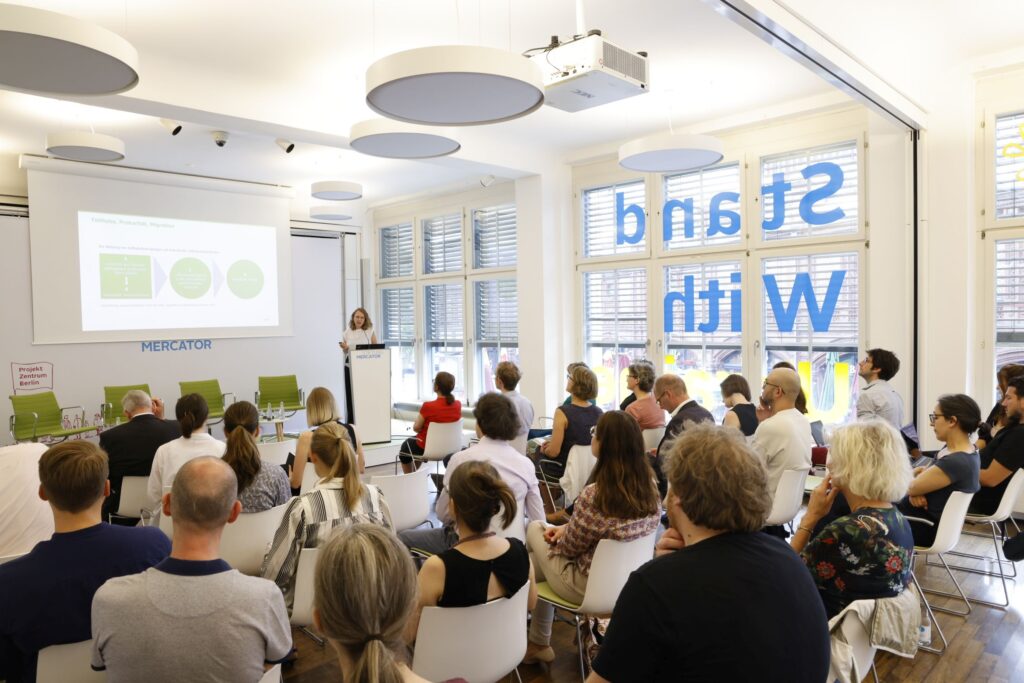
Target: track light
{"points": [[285, 145], [173, 127]]}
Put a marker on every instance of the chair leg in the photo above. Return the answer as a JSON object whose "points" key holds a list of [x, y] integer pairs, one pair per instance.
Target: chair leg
{"points": [[997, 558], [309, 632], [874, 672], [579, 646], [516, 672], [931, 618], [999, 564], [959, 593]]}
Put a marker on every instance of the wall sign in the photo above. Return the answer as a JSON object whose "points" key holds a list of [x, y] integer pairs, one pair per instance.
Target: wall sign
{"points": [[178, 345], [28, 377]]}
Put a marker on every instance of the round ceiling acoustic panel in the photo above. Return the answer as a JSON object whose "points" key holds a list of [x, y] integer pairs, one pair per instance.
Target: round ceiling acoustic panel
{"points": [[668, 152], [328, 213], [85, 146], [399, 140], [336, 190]]}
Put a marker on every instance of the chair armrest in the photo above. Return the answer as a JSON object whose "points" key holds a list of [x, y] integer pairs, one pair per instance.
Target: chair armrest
{"points": [[541, 420], [80, 410], [14, 419], [224, 397], [302, 396], [919, 519], [256, 399]]}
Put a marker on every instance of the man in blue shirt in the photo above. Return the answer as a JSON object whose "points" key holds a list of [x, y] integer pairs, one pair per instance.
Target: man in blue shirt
{"points": [[46, 596]]}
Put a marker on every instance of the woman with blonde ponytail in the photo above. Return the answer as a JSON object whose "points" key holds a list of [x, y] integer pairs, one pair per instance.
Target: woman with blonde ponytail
{"points": [[482, 566], [338, 500], [260, 486]]}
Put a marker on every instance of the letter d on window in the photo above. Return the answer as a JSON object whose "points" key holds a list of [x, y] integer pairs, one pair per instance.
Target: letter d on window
{"points": [[620, 221]]}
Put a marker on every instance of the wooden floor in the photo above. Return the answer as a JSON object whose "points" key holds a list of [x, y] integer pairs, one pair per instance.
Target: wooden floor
{"points": [[987, 645]]}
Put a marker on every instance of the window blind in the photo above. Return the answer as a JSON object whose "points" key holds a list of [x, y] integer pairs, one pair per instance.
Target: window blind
{"points": [[701, 187], [497, 311], [1009, 279], [1009, 171], [442, 244], [397, 315], [396, 251], [444, 313], [615, 306], [599, 229], [494, 237]]}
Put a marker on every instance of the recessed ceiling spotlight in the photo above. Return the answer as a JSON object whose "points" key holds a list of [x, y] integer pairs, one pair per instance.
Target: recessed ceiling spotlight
{"points": [[285, 145], [173, 127], [85, 146], [399, 140], [336, 190]]}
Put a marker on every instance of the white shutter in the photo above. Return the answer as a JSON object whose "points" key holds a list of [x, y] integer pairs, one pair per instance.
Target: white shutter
{"points": [[396, 251], [701, 186], [397, 315], [791, 164], [615, 306], [1009, 280], [599, 229], [1009, 171], [844, 328], [494, 237], [497, 312], [444, 312], [442, 244]]}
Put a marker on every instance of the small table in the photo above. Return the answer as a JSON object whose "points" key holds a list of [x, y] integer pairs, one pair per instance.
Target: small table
{"points": [[278, 425]]}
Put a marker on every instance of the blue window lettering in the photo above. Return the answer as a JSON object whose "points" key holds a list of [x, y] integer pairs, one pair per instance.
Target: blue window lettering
{"points": [[620, 221], [834, 184], [735, 301], [686, 299], [666, 218], [718, 214], [777, 191], [713, 296], [821, 318]]}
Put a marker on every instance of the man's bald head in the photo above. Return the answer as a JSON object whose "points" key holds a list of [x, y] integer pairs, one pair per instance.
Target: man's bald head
{"points": [[203, 494], [670, 391], [787, 380], [781, 389]]}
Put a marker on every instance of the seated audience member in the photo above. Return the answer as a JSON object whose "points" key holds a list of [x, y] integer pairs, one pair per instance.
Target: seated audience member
{"points": [[997, 417], [742, 414], [954, 420], [506, 379], [878, 398], [443, 409], [261, 486], [131, 446], [621, 504], [573, 421], [542, 433], [864, 554], [481, 566], [321, 409], [364, 595], [195, 441], [191, 617], [671, 395], [644, 409], [783, 441], [496, 422], [1004, 454], [27, 518], [729, 604], [801, 400], [339, 500], [45, 596]]}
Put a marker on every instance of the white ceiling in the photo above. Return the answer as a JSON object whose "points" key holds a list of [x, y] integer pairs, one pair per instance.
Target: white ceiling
{"points": [[263, 69]]}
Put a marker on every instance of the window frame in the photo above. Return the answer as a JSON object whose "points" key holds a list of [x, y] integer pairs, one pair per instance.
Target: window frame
{"points": [[1003, 107]]}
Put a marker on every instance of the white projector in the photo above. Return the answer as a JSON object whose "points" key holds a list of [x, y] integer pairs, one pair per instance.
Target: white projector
{"points": [[590, 72]]}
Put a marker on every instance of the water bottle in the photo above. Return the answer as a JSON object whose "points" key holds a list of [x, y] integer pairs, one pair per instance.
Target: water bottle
{"points": [[270, 411], [280, 411]]}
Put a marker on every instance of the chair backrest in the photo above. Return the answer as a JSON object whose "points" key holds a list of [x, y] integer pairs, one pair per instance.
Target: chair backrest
{"points": [[406, 496], [70, 663], [1010, 497], [819, 455], [579, 463], [134, 496], [613, 562], [305, 573], [47, 411], [273, 675], [519, 443], [950, 524], [443, 438], [166, 525], [652, 437], [112, 397], [209, 389], [245, 543], [481, 644], [517, 529], [856, 635], [8, 558], [279, 389], [309, 478], [276, 452], [789, 494]]}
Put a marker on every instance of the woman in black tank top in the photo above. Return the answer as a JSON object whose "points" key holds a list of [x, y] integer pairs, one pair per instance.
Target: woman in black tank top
{"points": [[742, 414]]}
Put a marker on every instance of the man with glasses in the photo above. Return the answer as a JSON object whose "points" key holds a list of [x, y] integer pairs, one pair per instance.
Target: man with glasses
{"points": [[671, 394], [878, 399]]}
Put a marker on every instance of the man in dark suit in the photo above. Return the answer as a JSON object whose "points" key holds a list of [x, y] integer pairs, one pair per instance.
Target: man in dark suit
{"points": [[670, 392], [131, 446]]}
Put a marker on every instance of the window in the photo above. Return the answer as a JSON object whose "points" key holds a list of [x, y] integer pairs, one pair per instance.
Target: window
{"points": [[1009, 281], [810, 193], [443, 307], [1009, 182], [398, 326], [702, 208], [396, 251], [494, 237], [615, 327], [704, 335], [614, 220], [811, 319], [497, 328], [442, 244]]}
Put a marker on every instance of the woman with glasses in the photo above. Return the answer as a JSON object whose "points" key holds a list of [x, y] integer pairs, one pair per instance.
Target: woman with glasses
{"points": [[643, 407], [957, 468]]}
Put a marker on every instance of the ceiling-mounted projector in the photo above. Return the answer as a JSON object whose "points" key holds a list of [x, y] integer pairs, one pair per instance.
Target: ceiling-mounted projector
{"points": [[590, 71]]}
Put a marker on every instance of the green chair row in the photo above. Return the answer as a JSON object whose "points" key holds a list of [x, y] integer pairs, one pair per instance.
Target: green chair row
{"points": [[39, 415]]}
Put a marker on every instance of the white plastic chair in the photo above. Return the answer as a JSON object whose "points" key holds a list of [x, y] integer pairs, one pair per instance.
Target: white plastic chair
{"points": [[302, 605], [134, 497], [443, 439], [70, 663], [309, 478], [578, 464], [481, 644], [1003, 513], [276, 452], [517, 529], [946, 537], [245, 542], [789, 495], [857, 637], [8, 558], [612, 565], [406, 496], [273, 675], [653, 437], [519, 443]]}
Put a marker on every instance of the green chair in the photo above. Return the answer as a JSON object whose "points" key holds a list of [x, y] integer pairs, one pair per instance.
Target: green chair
{"points": [[38, 415], [209, 389], [111, 408], [281, 390]]}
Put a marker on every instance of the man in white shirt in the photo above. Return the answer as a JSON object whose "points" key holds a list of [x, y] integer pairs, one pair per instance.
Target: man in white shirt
{"points": [[878, 399], [784, 439], [506, 379], [191, 411], [497, 423]]}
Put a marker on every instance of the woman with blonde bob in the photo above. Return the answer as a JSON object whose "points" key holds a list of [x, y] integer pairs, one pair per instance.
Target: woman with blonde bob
{"points": [[364, 594], [864, 554], [321, 409], [573, 420]]}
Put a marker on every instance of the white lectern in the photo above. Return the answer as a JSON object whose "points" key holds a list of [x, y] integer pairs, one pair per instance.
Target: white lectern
{"points": [[371, 394]]}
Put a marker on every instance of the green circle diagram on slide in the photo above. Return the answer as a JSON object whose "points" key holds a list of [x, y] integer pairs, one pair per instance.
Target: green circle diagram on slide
{"points": [[245, 279], [190, 278]]}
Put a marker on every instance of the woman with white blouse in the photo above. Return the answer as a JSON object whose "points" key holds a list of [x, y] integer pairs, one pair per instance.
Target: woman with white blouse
{"points": [[359, 331], [195, 441]]}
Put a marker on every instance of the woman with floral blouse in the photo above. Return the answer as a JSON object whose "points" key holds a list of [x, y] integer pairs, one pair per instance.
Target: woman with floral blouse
{"points": [[866, 553]]}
